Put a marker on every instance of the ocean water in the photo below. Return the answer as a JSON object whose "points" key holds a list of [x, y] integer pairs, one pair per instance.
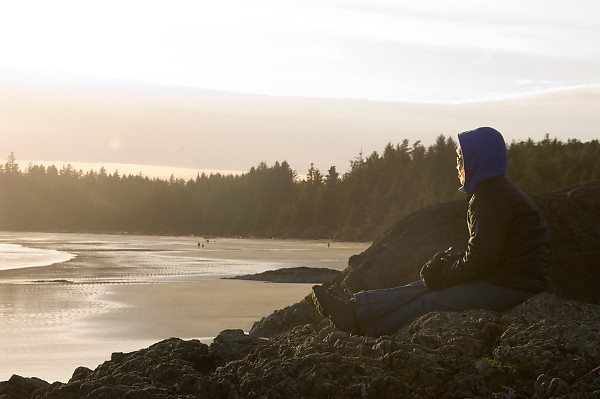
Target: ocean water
{"points": [[16, 256], [69, 300], [102, 257], [124, 258]]}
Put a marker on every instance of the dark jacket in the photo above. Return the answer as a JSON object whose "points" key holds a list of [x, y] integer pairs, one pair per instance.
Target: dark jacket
{"points": [[508, 240], [508, 235]]}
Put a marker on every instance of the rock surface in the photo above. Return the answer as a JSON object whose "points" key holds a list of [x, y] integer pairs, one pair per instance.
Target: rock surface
{"points": [[302, 274], [545, 348]]}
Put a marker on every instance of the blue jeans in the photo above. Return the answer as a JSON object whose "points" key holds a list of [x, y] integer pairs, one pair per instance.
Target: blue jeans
{"points": [[384, 311]]}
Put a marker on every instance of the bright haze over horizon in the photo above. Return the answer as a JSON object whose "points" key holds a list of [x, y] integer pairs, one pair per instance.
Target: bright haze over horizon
{"points": [[198, 86]]}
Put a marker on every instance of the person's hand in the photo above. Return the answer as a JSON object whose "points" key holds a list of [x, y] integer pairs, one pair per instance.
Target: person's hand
{"points": [[451, 256], [431, 272]]}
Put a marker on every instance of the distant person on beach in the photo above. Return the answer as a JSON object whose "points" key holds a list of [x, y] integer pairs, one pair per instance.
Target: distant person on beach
{"points": [[505, 262]]}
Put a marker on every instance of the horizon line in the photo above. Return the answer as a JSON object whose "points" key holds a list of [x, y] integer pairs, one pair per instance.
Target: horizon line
{"points": [[133, 169], [185, 173]]}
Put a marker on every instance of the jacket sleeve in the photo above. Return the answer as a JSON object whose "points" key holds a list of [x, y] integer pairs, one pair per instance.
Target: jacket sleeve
{"points": [[431, 271], [489, 224]]}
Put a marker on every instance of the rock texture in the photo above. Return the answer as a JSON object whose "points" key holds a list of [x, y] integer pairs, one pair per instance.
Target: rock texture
{"points": [[395, 258], [302, 274], [546, 347]]}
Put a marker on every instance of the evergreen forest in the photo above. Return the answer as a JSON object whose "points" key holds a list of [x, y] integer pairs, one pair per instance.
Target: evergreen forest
{"points": [[272, 200]]}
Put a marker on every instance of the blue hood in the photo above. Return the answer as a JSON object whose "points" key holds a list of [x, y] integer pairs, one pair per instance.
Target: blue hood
{"points": [[484, 156]]}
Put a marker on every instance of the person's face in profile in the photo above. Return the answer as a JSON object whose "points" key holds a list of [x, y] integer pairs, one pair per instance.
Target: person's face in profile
{"points": [[460, 166]]}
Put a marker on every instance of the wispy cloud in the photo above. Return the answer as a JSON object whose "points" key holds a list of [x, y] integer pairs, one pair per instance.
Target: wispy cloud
{"points": [[379, 49]]}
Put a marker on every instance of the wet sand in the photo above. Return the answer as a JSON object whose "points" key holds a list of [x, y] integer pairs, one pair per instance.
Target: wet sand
{"points": [[123, 293]]}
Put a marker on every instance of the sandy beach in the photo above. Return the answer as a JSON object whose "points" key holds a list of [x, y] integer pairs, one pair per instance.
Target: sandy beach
{"points": [[123, 293]]}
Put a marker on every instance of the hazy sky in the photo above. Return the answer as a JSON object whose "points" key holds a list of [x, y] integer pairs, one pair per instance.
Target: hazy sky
{"points": [[78, 79], [410, 50]]}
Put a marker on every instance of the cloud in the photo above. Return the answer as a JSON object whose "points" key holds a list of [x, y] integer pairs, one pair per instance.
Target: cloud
{"points": [[377, 49]]}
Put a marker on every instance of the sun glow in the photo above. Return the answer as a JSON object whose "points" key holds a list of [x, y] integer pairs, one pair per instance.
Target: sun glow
{"points": [[126, 169], [379, 49]]}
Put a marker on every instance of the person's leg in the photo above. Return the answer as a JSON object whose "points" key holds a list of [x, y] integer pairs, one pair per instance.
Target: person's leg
{"points": [[375, 304], [385, 311]]}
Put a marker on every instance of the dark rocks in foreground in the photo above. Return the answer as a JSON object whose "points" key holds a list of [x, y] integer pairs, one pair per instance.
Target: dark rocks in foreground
{"points": [[21, 387], [547, 347], [302, 274]]}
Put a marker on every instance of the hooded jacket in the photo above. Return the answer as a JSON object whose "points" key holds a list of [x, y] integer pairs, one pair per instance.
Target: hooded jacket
{"points": [[508, 235]]}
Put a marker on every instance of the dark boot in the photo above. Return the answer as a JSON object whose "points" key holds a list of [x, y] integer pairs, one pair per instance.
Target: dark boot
{"points": [[341, 313]]}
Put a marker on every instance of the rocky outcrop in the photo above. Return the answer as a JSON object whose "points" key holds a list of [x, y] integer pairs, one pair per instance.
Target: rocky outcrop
{"points": [[395, 258], [20, 387], [546, 347], [302, 274]]}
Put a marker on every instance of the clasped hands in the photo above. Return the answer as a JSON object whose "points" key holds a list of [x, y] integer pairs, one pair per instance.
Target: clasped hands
{"points": [[432, 272]]}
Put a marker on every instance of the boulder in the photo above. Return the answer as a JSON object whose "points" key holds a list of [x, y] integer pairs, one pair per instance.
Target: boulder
{"points": [[20, 387]]}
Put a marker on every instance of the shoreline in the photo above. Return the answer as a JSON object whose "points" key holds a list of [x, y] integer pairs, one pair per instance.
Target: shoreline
{"points": [[178, 235], [123, 293], [18, 256]]}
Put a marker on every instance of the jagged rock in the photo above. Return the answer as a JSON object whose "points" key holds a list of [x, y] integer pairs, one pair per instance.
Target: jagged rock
{"points": [[476, 353], [522, 353], [155, 372], [20, 387], [395, 258], [230, 345], [282, 320]]}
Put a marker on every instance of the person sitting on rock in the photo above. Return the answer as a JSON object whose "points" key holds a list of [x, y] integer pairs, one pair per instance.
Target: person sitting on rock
{"points": [[505, 262]]}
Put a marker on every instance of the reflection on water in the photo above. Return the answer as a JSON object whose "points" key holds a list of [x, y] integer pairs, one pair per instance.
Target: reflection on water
{"points": [[112, 258], [53, 285], [79, 307], [15, 256]]}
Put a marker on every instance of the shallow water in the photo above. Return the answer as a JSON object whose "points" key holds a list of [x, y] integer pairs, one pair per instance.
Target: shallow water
{"points": [[15, 256], [98, 294]]}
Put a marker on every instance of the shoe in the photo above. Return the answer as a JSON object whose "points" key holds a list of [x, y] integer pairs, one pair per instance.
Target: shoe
{"points": [[341, 313]]}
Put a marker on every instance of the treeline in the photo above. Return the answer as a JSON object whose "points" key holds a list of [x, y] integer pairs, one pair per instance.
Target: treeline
{"points": [[272, 201]]}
